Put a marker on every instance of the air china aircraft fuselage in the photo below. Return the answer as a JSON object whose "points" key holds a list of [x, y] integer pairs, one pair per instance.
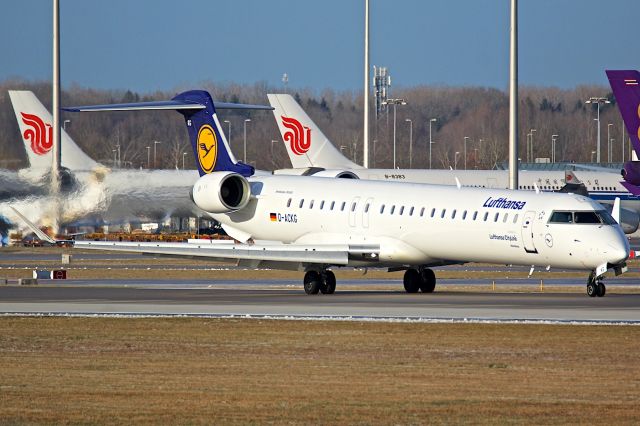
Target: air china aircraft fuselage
{"points": [[418, 224]]}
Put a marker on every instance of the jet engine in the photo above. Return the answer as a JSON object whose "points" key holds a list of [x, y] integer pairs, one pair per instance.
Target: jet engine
{"points": [[221, 192], [631, 172]]}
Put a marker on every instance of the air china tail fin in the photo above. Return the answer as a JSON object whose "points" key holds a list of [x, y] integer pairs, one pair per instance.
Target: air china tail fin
{"points": [[626, 88], [306, 145], [209, 144], [36, 129]]}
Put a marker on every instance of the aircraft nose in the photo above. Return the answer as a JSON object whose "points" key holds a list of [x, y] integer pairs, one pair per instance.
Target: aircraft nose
{"points": [[619, 252]]}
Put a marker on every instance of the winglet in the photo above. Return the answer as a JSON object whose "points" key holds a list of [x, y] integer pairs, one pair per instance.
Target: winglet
{"points": [[39, 233], [615, 211]]}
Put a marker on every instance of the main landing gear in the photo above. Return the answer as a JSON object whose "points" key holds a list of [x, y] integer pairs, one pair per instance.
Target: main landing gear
{"points": [[319, 281], [419, 280], [595, 286]]}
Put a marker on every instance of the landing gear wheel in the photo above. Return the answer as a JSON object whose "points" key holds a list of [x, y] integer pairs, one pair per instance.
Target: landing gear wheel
{"points": [[428, 281], [312, 282], [328, 283], [592, 289], [601, 289], [412, 281]]}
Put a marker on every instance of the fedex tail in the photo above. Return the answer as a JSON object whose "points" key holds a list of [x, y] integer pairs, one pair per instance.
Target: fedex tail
{"points": [[37, 135], [626, 88], [305, 143]]}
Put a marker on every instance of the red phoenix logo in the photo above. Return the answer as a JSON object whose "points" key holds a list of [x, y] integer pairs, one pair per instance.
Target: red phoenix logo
{"points": [[40, 135], [299, 140]]}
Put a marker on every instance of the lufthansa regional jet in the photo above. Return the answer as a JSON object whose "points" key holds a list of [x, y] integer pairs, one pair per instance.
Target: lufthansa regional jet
{"points": [[316, 224], [312, 153]]}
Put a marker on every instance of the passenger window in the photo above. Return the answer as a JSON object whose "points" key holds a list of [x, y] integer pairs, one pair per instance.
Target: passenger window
{"points": [[506, 216], [422, 212], [495, 218], [382, 209], [366, 208], [301, 203], [353, 207], [401, 210], [433, 212], [464, 215], [444, 211], [344, 203], [393, 208], [289, 203], [515, 218], [561, 217], [475, 215], [411, 212], [453, 215], [311, 204], [486, 216], [321, 204]]}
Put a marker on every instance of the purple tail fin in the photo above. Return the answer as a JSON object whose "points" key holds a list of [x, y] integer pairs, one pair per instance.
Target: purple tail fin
{"points": [[626, 88]]}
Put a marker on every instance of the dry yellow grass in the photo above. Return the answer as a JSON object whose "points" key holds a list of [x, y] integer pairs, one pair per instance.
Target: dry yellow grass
{"points": [[214, 371]]}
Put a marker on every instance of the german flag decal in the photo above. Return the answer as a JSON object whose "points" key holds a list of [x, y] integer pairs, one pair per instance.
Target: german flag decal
{"points": [[274, 217]]}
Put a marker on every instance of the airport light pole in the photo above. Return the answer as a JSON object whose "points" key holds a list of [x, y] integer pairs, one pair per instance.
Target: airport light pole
{"points": [[114, 157], [612, 142], [148, 157], [183, 155], [395, 103], [119, 162], [609, 142], [592, 154], [533, 159], [155, 143], [229, 132], [598, 100], [273, 161], [553, 148], [465, 151], [408, 120], [455, 160], [431, 121], [245, 139], [479, 147]]}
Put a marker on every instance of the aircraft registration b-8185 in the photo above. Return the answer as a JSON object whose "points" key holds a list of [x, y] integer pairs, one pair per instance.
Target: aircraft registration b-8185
{"points": [[313, 224]]}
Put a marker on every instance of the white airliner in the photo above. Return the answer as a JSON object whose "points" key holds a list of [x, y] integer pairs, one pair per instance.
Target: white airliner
{"points": [[94, 193], [313, 224], [310, 151]]}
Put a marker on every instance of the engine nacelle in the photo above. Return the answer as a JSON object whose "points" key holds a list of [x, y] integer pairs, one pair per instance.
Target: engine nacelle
{"points": [[631, 172], [221, 192], [317, 172], [629, 219]]}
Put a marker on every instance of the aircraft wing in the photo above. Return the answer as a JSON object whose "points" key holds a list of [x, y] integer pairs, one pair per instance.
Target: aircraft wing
{"points": [[284, 256]]}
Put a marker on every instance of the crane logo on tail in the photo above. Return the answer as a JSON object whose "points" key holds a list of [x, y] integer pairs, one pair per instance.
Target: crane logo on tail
{"points": [[40, 135], [207, 148], [298, 136]]}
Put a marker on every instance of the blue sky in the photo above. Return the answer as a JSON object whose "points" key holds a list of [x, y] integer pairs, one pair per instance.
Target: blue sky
{"points": [[148, 45]]}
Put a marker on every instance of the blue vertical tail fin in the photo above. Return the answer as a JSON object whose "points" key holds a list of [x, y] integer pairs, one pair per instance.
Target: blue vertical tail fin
{"points": [[210, 147]]}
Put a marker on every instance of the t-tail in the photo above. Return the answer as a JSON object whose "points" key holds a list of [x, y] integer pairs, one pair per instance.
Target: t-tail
{"points": [[36, 130], [209, 143], [305, 143], [625, 85]]}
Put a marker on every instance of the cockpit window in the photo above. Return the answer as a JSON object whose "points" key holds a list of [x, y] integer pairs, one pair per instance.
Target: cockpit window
{"points": [[561, 217], [606, 217], [586, 217]]}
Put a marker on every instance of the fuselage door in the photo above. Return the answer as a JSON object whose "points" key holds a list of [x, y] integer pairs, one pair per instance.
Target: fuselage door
{"points": [[527, 232], [365, 212], [353, 208]]}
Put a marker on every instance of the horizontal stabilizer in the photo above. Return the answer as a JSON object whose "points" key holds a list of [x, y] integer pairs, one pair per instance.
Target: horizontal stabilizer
{"points": [[171, 105], [39, 233]]}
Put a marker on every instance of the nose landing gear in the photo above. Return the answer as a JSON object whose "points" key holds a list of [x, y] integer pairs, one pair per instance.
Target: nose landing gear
{"points": [[595, 286]]}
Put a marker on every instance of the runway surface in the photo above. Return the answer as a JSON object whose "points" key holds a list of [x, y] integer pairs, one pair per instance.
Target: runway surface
{"points": [[241, 300]]}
